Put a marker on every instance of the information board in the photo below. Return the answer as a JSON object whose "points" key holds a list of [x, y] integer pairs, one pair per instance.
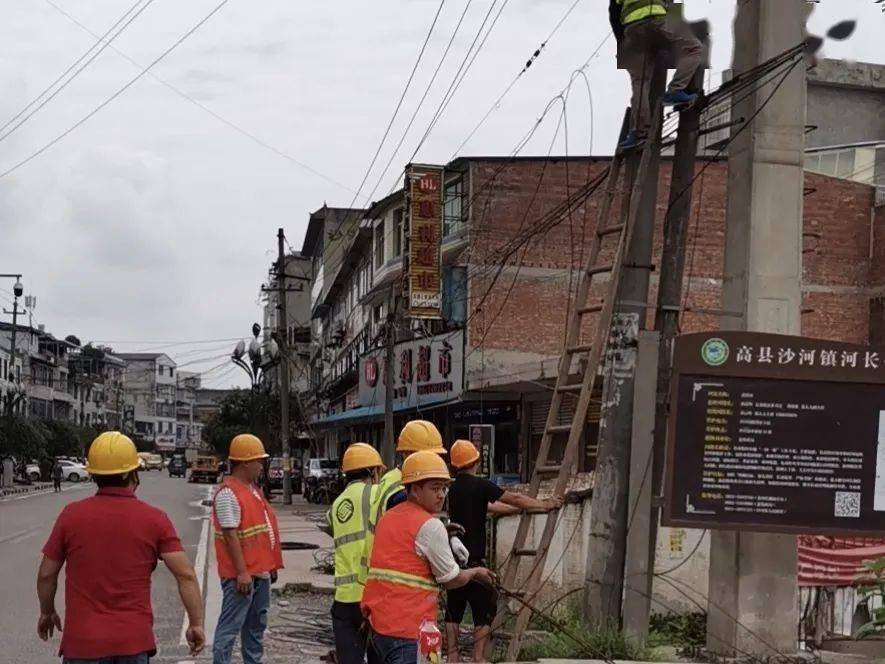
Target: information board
{"points": [[776, 433]]}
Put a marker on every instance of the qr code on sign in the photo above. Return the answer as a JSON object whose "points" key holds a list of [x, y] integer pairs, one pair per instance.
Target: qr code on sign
{"points": [[847, 504]]}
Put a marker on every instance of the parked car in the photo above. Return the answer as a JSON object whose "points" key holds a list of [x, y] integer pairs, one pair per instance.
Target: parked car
{"points": [[150, 461], [322, 468], [32, 472], [177, 467], [275, 474], [73, 471]]}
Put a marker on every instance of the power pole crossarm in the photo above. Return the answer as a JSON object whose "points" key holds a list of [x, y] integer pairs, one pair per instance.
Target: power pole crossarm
{"points": [[282, 341]]}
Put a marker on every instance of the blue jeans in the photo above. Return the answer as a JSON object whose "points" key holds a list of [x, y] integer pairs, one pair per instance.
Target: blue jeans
{"points": [[245, 615], [392, 650], [143, 658]]}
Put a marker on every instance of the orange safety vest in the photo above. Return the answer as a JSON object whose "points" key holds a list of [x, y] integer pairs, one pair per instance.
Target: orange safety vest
{"points": [[255, 513], [400, 589]]}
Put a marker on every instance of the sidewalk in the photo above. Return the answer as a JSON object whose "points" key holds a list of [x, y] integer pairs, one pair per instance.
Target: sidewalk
{"points": [[298, 526], [19, 489]]}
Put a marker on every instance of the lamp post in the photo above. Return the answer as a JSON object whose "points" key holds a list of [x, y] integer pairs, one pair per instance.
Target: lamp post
{"points": [[17, 291]]}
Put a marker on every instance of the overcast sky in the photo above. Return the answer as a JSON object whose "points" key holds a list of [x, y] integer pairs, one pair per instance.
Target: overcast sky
{"points": [[156, 222]]}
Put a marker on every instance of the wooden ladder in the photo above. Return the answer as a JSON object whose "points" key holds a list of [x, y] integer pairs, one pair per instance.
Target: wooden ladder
{"points": [[590, 357]]}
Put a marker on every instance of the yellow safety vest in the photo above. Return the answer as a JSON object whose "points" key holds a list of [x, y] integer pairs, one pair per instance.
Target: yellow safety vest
{"points": [[349, 518], [390, 484], [637, 10]]}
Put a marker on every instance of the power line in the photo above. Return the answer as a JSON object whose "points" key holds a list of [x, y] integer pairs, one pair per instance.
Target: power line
{"points": [[232, 125], [104, 41], [123, 89], [399, 104], [420, 102]]}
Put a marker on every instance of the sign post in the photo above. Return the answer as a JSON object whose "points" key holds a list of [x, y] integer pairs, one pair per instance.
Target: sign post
{"points": [[776, 433]]}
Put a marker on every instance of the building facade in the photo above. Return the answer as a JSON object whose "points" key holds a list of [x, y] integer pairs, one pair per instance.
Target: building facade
{"points": [[150, 383]]}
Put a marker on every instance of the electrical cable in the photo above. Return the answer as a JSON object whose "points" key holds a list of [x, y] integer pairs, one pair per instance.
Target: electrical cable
{"points": [[116, 94], [252, 137], [73, 65], [420, 103], [399, 104]]}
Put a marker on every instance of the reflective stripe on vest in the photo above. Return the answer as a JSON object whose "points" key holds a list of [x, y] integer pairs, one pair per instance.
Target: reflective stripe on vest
{"points": [[247, 532], [352, 538], [638, 10], [403, 579]]}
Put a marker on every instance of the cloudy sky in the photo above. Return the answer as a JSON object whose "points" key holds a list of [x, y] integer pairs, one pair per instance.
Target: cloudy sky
{"points": [[153, 223]]}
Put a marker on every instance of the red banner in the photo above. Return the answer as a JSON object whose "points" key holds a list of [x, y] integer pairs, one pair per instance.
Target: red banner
{"points": [[835, 561]]}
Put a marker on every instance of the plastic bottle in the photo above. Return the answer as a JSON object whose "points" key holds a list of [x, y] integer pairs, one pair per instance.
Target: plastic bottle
{"points": [[429, 643]]}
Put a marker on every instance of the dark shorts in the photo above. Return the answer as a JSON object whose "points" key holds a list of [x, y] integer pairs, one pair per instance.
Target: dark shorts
{"points": [[483, 603]]}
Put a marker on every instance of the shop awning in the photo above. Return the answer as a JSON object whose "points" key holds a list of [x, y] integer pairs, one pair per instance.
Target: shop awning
{"points": [[369, 413]]}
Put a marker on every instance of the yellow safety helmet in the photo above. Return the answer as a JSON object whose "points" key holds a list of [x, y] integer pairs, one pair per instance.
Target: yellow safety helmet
{"points": [[112, 453], [424, 465], [420, 436], [360, 456], [246, 447], [463, 454]]}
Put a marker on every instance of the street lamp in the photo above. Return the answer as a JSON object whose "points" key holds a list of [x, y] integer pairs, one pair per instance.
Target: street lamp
{"points": [[17, 291], [261, 357]]}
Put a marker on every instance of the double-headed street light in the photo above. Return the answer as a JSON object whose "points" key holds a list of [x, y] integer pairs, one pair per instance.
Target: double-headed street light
{"points": [[261, 356]]}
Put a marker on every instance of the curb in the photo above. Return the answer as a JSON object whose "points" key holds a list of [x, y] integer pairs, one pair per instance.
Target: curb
{"points": [[16, 490]]}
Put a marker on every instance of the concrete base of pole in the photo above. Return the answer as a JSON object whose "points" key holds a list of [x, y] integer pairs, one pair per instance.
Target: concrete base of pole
{"points": [[8, 472]]}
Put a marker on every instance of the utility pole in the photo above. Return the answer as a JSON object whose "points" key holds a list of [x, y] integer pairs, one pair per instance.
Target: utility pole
{"points": [[17, 291], [388, 449], [609, 516], [752, 608], [646, 471], [282, 340]]}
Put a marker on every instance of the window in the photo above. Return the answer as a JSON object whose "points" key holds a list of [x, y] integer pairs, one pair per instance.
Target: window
{"points": [[171, 372], [160, 371], [379, 245], [452, 210], [397, 233]]}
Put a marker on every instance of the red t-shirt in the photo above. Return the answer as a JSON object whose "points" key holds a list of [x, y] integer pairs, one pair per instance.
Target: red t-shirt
{"points": [[110, 545]]}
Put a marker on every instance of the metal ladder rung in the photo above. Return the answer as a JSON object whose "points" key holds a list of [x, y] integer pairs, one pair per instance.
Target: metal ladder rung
{"points": [[591, 308], [600, 269], [559, 428], [609, 230], [547, 470], [580, 348]]}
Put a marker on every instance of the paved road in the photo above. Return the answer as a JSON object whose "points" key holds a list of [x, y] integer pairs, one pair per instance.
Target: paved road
{"points": [[25, 523]]}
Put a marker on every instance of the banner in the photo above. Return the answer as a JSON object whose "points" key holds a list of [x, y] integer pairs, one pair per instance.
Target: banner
{"points": [[424, 218]]}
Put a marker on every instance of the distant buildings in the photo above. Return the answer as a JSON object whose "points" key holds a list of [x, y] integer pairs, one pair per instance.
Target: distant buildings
{"points": [[150, 384]]}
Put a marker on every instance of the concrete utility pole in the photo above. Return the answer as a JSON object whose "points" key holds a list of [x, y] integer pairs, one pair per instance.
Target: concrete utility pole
{"points": [[282, 341], [752, 606], [17, 292], [388, 449], [609, 516]]}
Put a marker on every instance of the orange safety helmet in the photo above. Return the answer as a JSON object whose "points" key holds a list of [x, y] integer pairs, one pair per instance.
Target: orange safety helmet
{"points": [[359, 456], [418, 436], [247, 447], [424, 465], [463, 454]]}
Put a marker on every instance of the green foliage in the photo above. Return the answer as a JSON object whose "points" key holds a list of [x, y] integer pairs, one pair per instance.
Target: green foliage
{"points": [[572, 638], [252, 411], [684, 631], [871, 584]]}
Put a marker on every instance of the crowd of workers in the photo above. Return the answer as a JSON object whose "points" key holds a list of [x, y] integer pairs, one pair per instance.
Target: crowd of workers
{"points": [[393, 554]]}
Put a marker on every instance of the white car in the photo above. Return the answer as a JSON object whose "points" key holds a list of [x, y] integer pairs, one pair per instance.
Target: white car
{"points": [[73, 471], [32, 470]]}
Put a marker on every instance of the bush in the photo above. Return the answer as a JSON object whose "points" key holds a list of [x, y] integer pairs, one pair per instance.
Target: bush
{"points": [[685, 631]]}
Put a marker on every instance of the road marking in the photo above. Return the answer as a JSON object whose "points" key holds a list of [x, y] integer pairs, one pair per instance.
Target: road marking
{"points": [[20, 535], [199, 565]]}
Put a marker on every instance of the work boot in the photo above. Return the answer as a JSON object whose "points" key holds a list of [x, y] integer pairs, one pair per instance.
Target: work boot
{"points": [[679, 97], [631, 140]]}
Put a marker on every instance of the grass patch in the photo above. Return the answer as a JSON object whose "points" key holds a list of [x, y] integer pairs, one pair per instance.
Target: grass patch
{"points": [[580, 641], [684, 631]]}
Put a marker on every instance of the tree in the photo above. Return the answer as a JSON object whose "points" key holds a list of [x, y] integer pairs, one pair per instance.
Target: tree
{"points": [[249, 411]]}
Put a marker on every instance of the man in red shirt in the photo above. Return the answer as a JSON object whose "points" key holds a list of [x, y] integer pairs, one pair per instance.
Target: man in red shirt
{"points": [[110, 544]]}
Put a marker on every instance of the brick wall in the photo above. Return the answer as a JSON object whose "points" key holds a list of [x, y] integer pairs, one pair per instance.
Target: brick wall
{"points": [[525, 309]]}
